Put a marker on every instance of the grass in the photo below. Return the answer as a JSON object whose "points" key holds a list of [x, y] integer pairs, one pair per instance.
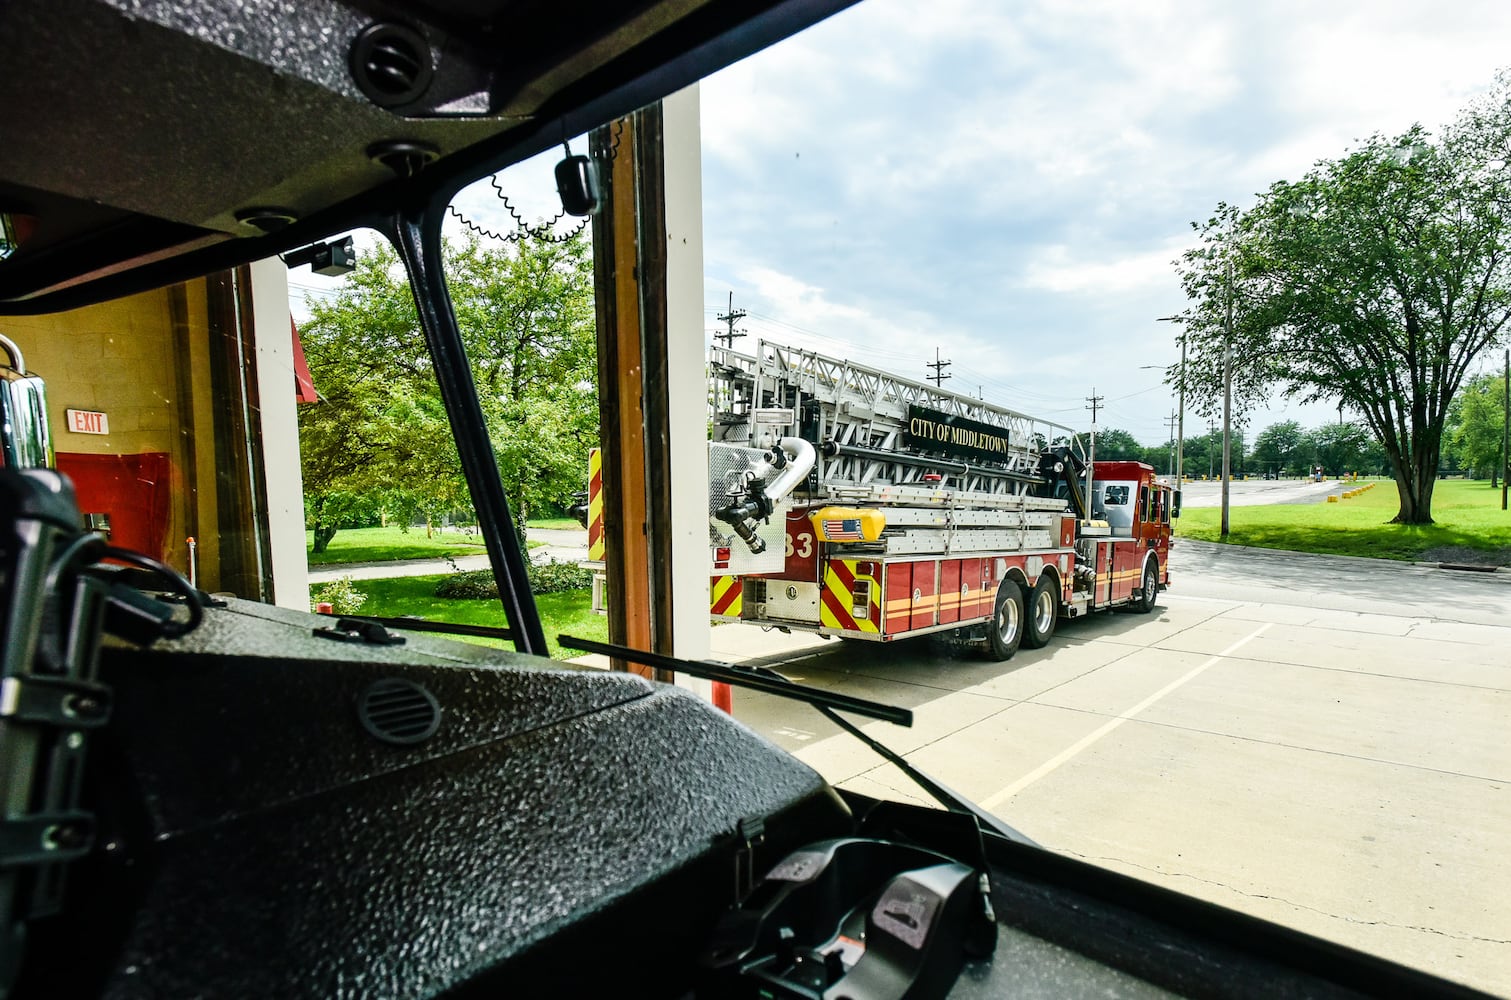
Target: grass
{"points": [[353, 545], [554, 524], [1467, 515], [359, 545], [569, 612]]}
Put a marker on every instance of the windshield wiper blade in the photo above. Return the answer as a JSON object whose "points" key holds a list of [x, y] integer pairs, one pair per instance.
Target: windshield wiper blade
{"points": [[826, 702], [756, 679]]}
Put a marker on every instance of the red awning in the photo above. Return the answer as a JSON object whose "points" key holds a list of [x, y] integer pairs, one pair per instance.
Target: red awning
{"points": [[304, 385]]}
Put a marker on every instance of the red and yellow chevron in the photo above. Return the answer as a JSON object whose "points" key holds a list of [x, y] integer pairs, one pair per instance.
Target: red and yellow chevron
{"points": [[724, 594], [595, 505], [837, 601]]}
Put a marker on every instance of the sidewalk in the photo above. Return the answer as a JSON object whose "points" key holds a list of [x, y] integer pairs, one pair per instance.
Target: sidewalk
{"points": [[561, 546]]}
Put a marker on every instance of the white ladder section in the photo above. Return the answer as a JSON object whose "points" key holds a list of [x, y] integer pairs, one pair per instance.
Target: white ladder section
{"points": [[858, 415]]}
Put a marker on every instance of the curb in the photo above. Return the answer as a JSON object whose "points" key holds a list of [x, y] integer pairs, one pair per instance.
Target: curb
{"points": [[1466, 567], [1502, 574]]}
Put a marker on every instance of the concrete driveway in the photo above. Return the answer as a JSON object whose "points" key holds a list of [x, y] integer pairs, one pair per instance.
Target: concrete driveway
{"points": [[1317, 743]]}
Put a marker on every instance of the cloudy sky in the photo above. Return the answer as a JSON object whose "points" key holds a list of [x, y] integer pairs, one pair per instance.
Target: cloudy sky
{"points": [[1012, 186], [1009, 183]]}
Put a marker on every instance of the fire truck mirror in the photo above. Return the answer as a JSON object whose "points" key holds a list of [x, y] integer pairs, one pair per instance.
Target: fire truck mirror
{"points": [[1175, 506]]}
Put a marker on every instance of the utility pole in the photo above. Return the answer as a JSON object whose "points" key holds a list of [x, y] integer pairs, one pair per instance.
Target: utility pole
{"points": [[939, 367], [730, 318], [1227, 401], [1096, 402], [1170, 422], [1505, 427], [1211, 449]]}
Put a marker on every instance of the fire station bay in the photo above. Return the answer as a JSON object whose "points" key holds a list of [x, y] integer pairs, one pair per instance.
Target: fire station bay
{"points": [[173, 412]]}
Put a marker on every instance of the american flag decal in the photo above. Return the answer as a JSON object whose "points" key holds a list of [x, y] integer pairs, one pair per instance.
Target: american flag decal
{"points": [[843, 529]]}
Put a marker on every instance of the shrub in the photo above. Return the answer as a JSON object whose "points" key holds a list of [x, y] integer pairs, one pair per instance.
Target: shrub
{"points": [[476, 585], [546, 578], [340, 595], [554, 577]]}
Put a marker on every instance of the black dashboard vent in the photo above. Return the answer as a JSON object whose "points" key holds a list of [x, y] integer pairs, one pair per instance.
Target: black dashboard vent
{"points": [[399, 712]]}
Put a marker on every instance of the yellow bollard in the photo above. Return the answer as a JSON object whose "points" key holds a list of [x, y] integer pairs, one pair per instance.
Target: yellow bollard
{"points": [[1332, 499]]}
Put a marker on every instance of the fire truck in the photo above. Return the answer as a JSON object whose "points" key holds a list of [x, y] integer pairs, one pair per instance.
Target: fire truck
{"points": [[850, 502]]}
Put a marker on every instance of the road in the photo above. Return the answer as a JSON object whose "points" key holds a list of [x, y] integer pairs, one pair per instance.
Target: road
{"points": [[1255, 492], [1316, 740]]}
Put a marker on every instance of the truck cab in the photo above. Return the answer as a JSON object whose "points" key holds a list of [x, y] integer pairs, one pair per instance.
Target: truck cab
{"points": [[1136, 505]]}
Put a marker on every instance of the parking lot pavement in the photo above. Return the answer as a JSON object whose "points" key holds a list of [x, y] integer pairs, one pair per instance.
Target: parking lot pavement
{"points": [[1254, 492], [1340, 772]]}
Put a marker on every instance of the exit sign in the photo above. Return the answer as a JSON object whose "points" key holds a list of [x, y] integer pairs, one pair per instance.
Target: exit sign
{"points": [[87, 422]]}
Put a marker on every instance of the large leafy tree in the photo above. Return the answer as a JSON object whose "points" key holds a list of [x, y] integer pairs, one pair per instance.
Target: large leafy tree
{"points": [[1278, 447], [527, 315], [1375, 281], [1340, 448], [379, 438], [369, 444], [1476, 428]]}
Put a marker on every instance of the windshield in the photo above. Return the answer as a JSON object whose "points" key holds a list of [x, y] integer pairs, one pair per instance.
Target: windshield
{"points": [[878, 367], [1307, 738]]}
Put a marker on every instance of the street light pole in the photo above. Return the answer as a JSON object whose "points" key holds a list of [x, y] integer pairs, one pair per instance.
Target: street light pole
{"points": [[1180, 418]]}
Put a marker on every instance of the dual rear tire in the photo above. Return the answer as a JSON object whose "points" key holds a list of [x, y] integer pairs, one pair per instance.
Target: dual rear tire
{"points": [[1005, 633], [1040, 613], [1022, 621]]}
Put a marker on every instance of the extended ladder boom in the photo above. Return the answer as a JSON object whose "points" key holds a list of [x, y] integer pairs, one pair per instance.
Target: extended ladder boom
{"points": [[874, 430]]}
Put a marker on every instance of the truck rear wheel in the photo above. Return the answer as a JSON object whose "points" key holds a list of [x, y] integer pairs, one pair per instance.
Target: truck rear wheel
{"points": [[1040, 614], [1006, 630], [1150, 587]]}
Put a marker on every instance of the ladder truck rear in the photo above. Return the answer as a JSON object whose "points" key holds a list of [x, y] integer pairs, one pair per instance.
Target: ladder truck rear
{"points": [[850, 502]]}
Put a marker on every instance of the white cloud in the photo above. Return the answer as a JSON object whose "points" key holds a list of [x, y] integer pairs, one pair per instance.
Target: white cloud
{"points": [[1054, 269], [1011, 183]]}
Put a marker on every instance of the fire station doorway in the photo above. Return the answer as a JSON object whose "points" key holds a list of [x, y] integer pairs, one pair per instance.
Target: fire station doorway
{"points": [[173, 413]]}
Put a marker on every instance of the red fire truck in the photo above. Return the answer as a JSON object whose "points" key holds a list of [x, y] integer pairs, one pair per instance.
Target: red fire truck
{"points": [[850, 502]]}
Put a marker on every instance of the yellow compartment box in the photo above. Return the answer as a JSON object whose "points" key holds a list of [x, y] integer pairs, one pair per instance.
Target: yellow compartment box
{"points": [[848, 524]]}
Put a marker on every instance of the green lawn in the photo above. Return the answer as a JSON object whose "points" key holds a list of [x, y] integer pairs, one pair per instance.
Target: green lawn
{"points": [[554, 524], [1467, 515], [356, 545], [569, 612]]}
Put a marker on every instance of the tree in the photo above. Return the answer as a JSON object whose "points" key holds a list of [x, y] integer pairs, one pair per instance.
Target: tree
{"points": [[527, 315], [1277, 448], [1161, 456], [1376, 280], [379, 438], [363, 444], [1118, 446], [1340, 448], [1475, 426]]}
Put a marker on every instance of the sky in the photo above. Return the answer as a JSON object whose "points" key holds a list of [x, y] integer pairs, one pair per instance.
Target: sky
{"points": [[1008, 184]]}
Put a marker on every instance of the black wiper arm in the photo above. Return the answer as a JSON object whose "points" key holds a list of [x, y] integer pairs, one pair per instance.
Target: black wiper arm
{"points": [[755, 678], [768, 680], [943, 794]]}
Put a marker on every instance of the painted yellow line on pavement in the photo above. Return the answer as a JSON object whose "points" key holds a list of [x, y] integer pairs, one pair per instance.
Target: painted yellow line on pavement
{"points": [[997, 798]]}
